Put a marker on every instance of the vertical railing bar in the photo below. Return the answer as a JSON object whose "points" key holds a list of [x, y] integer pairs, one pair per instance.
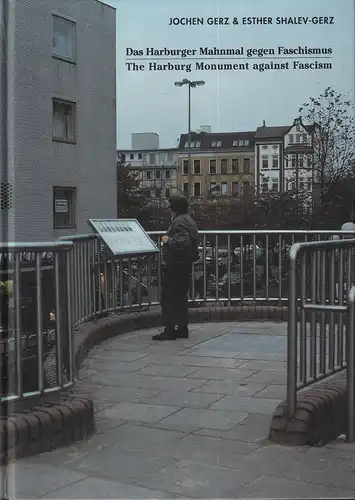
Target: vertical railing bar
{"points": [[40, 362], [229, 256], [313, 329], [280, 268], [331, 332], [292, 337], [129, 277], [18, 323], [58, 319], [216, 266], [322, 329], [241, 257], [351, 366], [254, 266], [69, 320], [159, 270], [204, 269], [303, 330], [267, 266]]}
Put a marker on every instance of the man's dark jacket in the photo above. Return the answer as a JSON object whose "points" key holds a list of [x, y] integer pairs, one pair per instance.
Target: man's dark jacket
{"points": [[182, 246]]}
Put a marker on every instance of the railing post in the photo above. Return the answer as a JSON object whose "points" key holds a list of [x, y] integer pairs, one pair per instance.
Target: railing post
{"points": [[351, 365], [292, 335]]}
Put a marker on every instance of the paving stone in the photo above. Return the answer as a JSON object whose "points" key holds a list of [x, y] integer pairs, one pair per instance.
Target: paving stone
{"points": [[119, 355], [184, 399], [277, 392], [116, 366], [92, 487], [210, 450], [168, 370], [257, 365], [268, 377], [190, 360], [212, 373], [263, 356], [198, 480], [30, 479], [148, 382], [215, 353], [184, 427], [115, 394], [246, 405], [273, 487], [138, 412], [207, 419], [253, 429], [229, 387], [121, 464]]}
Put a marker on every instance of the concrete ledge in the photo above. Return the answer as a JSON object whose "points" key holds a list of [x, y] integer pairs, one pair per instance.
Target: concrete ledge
{"points": [[46, 426], [320, 417]]}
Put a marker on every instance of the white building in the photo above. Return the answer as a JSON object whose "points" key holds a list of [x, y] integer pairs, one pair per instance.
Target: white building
{"points": [[144, 140], [156, 170], [58, 96], [284, 158]]}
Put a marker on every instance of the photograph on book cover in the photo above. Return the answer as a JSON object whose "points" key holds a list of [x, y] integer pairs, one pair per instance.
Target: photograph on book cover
{"points": [[227, 99]]}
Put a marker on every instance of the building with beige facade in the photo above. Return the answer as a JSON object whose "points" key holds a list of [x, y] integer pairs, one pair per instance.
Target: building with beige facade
{"points": [[222, 164]]}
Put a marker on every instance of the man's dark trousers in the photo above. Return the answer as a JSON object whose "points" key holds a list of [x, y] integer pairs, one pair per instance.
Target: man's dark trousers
{"points": [[174, 297]]}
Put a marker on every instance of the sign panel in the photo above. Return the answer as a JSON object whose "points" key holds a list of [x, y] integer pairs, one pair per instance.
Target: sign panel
{"points": [[123, 236], [61, 206]]}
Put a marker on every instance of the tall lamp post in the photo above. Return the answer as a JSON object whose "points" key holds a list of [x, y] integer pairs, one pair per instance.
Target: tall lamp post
{"points": [[191, 85]]}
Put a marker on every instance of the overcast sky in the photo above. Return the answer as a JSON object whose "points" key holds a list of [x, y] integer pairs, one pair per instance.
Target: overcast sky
{"points": [[147, 101]]}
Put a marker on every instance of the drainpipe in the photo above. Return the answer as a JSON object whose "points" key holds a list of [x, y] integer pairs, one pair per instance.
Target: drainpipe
{"points": [[4, 111]]}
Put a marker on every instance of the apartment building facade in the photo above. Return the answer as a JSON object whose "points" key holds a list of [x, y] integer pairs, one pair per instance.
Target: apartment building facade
{"points": [[221, 164], [284, 158], [60, 129], [156, 170]]}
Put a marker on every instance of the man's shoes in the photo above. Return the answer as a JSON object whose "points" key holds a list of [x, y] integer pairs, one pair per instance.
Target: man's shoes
{"points": [[182, 332], [165, 335]]}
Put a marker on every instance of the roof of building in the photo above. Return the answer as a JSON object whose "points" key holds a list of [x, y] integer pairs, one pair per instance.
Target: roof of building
{"points": [[265, 132], [151, 150], [227, 140]]}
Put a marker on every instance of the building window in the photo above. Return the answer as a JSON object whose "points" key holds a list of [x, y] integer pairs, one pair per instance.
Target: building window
{"points": [[265, 185], [197, 189], [63, 121], [131, 156], [275, 184], [275, 161], [214, 189], [185, 167], [213, 167], [214, 144], [246, 187], [234, 165], [290, 138], [197, 167], [235, 143], [235, 188], [64, 201], [224, 166], [246, 143], [158, 193], [301, 185], [185, 189], [246, 165], [198, 144], [167, 193], [224, 188], [140, 156], [167, 174], [298, 138], [151, 159], [64, 39], [149, 175], [265, 162], [157, 174], [309, 184], [309, 161], [293, 161]]}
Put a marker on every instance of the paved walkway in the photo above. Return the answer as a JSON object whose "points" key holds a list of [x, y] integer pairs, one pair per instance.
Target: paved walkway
{"points": [[187, 419]]}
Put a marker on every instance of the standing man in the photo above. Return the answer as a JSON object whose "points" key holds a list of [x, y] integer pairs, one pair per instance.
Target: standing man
{"points": [[180, 250]]}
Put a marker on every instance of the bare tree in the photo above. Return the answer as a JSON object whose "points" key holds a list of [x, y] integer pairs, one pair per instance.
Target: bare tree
{"points": [[331, 116]]}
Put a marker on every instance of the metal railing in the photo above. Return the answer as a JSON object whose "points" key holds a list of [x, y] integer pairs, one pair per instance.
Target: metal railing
{"points": [[36, 345], [235, 267], [351, 366], [319, 334]]}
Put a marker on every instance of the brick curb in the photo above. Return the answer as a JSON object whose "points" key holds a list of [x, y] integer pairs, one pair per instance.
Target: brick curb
{"points": [[46, 426], [320, 416]]}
